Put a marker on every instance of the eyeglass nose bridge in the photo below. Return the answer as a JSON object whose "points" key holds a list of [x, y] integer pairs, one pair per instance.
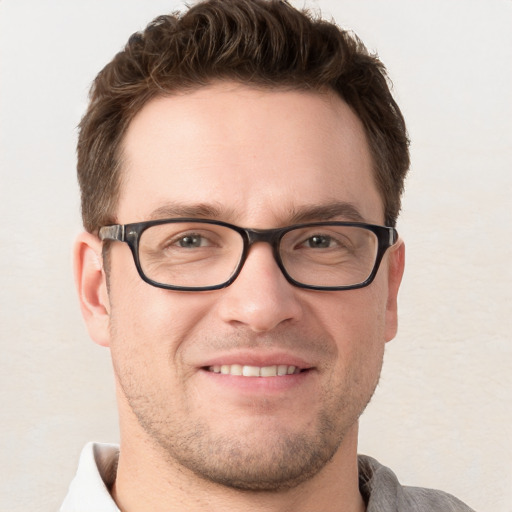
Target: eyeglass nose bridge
{"points": [[270, 236]]}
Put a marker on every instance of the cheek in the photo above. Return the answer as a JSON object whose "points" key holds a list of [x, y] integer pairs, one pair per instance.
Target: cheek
{"points": [[356, 326], [149, 325], [354, 318]]}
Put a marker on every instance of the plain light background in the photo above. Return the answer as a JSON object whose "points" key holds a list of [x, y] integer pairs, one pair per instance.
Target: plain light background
{"points": [[442, 414]]}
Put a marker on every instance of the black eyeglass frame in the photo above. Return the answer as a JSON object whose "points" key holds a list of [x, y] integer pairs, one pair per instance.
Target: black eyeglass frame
{"points": [[130, 234]]}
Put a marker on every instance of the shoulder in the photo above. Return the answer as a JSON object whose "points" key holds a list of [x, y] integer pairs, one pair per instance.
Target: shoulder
{"points": [[383, 492]]}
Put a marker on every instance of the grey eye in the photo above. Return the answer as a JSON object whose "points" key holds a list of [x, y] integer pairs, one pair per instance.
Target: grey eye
{"points": [[319, 242], [191, 241]]}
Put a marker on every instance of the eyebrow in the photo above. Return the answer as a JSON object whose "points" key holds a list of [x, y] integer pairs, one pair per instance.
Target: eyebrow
{"points": [[332, 211], [336, 210], [199, 210]]}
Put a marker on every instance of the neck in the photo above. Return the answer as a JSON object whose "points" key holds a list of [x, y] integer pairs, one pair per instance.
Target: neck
{"points": [[164, 485]]}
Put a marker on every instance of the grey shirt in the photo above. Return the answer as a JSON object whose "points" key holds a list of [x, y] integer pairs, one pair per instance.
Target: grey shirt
{"points": [[383, 492], [89, 490]]}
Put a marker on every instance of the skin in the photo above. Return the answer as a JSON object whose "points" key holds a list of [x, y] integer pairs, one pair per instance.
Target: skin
{"points": [[193, 440]]}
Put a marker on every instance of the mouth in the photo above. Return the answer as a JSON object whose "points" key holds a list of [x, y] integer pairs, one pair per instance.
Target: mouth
{"points": [[241, 370]]}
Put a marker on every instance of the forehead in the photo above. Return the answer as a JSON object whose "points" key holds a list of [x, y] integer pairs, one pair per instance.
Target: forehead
{"points": [[245, 155]]}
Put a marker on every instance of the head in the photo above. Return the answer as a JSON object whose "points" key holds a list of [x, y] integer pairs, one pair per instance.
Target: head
{"points": [[254, 114], [266, 44]]}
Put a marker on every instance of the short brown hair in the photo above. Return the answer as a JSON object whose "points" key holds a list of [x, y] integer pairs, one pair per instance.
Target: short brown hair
{"points": [[265, 43]]}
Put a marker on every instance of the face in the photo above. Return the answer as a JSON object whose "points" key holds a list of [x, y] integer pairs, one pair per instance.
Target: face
{"points": [[258, 159]]}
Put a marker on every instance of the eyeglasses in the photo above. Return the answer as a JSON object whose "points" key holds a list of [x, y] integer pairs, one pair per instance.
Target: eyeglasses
{"points": [[200, 254]]}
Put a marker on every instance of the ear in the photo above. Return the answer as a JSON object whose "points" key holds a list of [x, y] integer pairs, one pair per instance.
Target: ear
{"points": [[92, 287], [396, 263]]}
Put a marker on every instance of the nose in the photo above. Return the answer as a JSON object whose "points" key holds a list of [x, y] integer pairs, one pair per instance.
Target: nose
{"points": [[260, 298]]}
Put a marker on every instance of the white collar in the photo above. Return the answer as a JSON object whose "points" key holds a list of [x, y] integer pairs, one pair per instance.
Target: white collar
{"points": [[89, 490]]}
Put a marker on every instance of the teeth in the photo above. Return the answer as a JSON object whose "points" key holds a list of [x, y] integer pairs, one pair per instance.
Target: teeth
{"points": [[268, 371], [254, 371], [282, 369], [236, 369], [251, 371]]}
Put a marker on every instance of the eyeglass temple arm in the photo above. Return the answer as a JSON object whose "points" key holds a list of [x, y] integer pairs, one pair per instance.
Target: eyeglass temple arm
{"points": [[115, 232]]}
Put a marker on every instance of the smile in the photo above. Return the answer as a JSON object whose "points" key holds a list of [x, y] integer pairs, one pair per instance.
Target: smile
{"points": [[255, 371]]}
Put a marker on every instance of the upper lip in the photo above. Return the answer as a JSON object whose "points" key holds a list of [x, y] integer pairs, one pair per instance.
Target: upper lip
{"points": [[251, 358]]}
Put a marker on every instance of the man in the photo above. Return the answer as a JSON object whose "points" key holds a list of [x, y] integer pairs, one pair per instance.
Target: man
{"points": [[241, 168]]}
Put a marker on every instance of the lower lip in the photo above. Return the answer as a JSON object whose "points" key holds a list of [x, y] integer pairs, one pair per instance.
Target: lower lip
{"points": [[265, 385]]}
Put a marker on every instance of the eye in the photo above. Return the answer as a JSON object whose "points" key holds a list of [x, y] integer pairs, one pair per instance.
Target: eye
{"points": [[319, 242], [191, 241]]}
